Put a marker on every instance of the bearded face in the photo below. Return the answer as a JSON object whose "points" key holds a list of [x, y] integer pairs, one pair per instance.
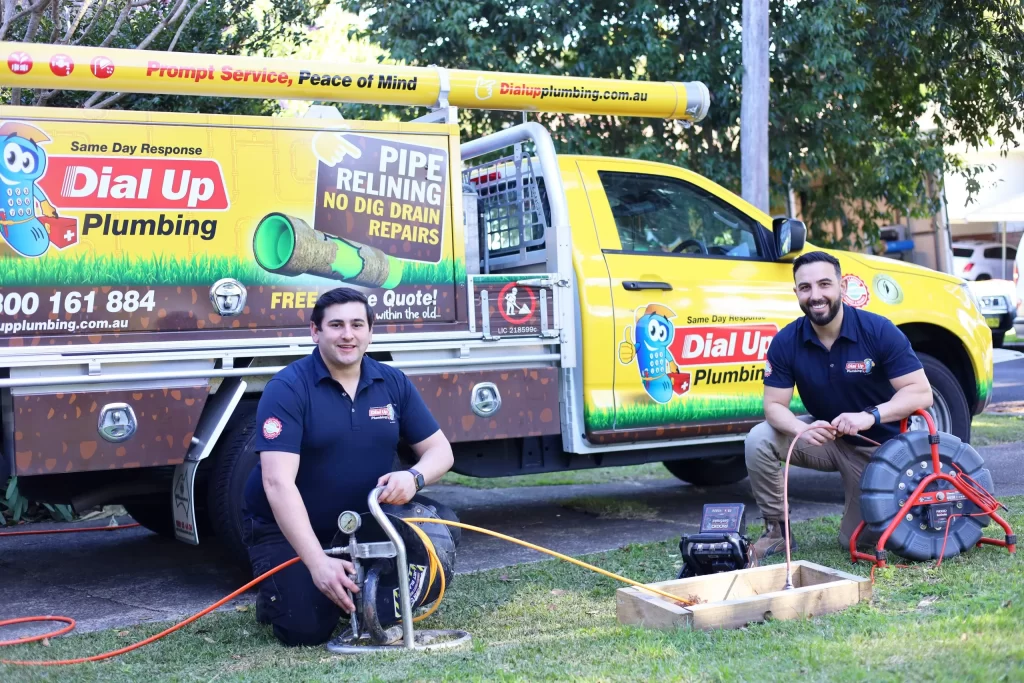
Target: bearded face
{"points": [[818, 292]]}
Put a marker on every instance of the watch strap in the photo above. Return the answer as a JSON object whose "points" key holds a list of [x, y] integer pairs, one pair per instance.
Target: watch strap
{"points": [[417, 477], [874, 411]]}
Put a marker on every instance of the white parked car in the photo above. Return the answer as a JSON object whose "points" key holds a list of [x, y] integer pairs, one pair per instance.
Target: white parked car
{"points": [[998, 299], [982, 260]]}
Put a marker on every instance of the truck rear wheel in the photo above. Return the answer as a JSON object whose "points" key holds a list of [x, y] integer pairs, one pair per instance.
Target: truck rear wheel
{"points": [[157, 516], [716, 471], [233, 461]]}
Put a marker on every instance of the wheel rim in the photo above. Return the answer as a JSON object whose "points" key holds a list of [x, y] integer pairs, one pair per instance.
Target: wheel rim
{"points": [[939, 413]]}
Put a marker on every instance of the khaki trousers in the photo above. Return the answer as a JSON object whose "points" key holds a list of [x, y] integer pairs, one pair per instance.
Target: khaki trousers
{"points": [[766, 451]]}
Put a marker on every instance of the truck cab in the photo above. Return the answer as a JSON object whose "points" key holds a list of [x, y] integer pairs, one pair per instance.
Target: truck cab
{"points": [[682, 286]]}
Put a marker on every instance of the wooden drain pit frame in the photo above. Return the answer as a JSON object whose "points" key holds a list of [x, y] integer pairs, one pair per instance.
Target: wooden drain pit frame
{"points": [[737, 598]]}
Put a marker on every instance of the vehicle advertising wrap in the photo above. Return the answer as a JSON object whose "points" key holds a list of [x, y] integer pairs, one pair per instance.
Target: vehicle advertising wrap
{"points": [[118, 223], [141, 71], [692, 370]]}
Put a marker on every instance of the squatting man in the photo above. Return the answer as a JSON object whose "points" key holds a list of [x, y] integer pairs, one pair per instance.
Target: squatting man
{"points": [[857, 375], [329, 426]]}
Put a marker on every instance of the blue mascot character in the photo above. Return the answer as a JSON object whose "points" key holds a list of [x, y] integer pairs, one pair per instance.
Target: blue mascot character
{"points": [[23, 163], [653, 334]]}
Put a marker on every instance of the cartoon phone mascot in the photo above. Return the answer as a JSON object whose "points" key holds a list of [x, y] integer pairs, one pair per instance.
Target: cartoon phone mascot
{"points": [[23, 163], [653, 335]]}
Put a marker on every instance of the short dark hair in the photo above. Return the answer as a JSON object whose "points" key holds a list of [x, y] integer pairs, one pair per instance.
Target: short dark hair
{"points": [[817, 257], [341, 295]]}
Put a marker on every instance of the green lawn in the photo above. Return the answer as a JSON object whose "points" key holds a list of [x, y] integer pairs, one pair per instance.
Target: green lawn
{"points": [[556, 621], [598, 475], [990, 429]]}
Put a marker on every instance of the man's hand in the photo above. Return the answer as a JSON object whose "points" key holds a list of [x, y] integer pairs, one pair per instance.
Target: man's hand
{"points": [[401, 487], [818, 433], [332, 576], [852, 423]]}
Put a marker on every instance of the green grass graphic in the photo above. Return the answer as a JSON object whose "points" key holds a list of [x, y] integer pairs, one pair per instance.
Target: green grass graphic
{"points": [[682, 411], [85, 270]]}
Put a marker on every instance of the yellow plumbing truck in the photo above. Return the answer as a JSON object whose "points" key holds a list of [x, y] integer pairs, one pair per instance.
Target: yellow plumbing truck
{"points": [[556, 312]]}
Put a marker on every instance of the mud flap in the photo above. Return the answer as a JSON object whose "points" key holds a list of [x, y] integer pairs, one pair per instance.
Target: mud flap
{"points": [[215, 417]]}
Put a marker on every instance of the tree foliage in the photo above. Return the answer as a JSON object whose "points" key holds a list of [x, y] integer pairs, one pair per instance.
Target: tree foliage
{"points": [[868, 97], [234, 27]]}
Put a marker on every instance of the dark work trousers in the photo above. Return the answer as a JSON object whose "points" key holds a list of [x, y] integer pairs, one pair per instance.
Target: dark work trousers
{"points": [[289, 600]]}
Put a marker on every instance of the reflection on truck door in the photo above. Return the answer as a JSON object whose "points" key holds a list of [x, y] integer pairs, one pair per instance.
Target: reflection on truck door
{"points": [[697, 299]]}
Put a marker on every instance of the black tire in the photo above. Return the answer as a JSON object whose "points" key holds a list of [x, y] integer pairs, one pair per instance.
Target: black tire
{"points": [[716, 471], [233, 460], [158, 517], [997, 339], [949, 410]]}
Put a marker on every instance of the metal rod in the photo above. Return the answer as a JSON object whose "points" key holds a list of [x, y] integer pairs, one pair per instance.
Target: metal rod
{"points": [[441, 365], [403, 563]]}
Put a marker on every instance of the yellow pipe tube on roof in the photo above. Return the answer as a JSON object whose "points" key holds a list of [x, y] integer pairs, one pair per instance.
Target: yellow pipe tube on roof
{"points": [[67, 67]]}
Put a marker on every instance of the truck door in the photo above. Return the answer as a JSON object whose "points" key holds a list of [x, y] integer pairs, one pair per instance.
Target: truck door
{"points": [[696, 298]]}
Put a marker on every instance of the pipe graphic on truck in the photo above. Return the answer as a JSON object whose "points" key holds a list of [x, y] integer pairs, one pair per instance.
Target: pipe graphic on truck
{"points": [[287, 245]]}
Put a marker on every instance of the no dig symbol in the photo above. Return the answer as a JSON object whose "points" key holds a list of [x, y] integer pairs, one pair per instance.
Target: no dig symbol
{"points": [[516, 304]]}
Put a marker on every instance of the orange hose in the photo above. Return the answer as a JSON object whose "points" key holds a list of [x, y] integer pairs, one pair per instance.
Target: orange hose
{"points": [[129, 648]]}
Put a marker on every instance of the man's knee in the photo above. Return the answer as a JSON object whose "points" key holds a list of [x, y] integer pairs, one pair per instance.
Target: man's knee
{"points": [[760, 445]]}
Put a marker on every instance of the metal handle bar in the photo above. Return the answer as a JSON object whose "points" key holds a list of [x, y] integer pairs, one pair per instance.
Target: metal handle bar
{"points": [[403, 563]]}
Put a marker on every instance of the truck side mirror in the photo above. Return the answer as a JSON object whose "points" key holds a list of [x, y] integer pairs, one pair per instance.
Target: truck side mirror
{"points": [[789, 236]]}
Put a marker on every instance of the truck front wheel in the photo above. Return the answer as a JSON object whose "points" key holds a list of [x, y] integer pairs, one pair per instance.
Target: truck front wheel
{"points": [[949, 410], [716, 471], [233, 460]]}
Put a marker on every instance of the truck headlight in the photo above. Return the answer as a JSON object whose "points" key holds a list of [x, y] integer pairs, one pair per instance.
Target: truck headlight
{"points": [[971, 297]]}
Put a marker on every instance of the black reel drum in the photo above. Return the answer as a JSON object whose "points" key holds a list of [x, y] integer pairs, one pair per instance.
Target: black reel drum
{"points": [[892, 475], [378, 602]]}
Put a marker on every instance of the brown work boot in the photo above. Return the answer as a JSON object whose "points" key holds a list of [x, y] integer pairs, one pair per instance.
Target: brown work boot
{"points": [[772, 541]]}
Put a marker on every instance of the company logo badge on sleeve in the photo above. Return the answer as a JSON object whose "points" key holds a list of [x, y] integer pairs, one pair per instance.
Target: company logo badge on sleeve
{"points": [[272, 428]]}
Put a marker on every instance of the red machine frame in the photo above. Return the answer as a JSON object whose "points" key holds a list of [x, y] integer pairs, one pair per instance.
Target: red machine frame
{"points": [[920, 497]]}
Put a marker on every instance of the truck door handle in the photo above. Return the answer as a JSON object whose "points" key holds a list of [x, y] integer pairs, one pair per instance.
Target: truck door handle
{"points": [[634, 285]]}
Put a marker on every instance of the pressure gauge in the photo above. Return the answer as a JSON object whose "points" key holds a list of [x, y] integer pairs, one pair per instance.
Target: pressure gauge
{"points": [[349, 522]]}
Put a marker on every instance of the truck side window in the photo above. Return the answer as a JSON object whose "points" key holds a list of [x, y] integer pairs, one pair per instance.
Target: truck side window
{"points": [[663, 215]]}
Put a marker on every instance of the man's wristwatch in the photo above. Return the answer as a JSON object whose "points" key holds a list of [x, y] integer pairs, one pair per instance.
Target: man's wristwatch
{"points": [[873, 410], [420, 483]]}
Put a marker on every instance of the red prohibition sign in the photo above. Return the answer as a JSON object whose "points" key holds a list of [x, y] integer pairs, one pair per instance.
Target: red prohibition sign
{"points": [[501, 304]]}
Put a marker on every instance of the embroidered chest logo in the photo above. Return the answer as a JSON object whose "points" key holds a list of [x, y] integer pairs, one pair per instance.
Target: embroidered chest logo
{"points": [[383, 413], [272, 428], [861, 367]]}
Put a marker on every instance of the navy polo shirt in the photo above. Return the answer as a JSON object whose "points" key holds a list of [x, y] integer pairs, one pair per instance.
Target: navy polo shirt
{"points": [[344, 445], [854, 375]]}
